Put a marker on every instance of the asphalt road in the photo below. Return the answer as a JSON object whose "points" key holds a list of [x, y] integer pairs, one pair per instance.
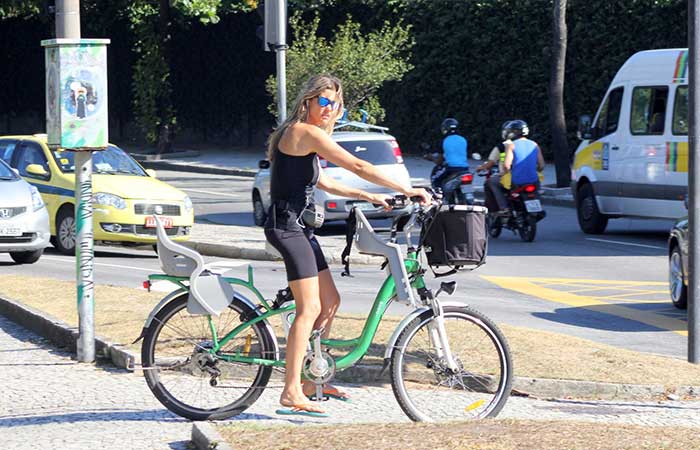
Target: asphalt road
{"points": [[609, 288]]}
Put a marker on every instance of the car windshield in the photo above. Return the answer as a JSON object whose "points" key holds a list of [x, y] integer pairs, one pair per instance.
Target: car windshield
{"points": [[113, 160], [375, 152], [6, 173]]}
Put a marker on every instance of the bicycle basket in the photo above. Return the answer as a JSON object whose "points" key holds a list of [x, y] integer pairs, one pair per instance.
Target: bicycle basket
{"points": [[456, 236]]}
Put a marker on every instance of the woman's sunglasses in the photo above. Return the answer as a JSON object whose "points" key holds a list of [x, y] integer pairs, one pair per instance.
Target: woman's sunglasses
{"points": [[323, 102]]}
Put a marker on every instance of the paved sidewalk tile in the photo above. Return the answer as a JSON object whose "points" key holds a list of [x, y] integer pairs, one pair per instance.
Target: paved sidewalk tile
{"points": [[50, 401]]}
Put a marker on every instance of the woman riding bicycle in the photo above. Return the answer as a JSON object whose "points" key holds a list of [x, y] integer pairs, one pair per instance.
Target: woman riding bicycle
{"points": [[294, 148]]}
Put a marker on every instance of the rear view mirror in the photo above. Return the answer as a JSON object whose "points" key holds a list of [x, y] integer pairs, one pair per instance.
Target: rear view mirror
{"points": [[37, 170], [584, 127], [264, 164]]}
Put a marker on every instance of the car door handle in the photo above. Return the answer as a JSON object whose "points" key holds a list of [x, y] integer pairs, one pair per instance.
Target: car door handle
{"points": [[615, 147]]}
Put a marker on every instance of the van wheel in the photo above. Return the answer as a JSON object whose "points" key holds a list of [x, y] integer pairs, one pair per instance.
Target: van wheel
{"points": [[676, 279], [259, 215], [26, 257], [590, 219], [65, 231]]}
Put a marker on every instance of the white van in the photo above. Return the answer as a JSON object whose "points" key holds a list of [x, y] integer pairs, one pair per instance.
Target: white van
{"points": [[633, 158]]}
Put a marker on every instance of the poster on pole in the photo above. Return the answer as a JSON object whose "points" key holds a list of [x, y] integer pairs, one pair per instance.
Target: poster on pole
{"points": [[76, 93]]}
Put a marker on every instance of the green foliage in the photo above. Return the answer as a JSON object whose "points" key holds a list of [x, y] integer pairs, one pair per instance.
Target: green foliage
{"points": [[363, 61], [20, 8]]}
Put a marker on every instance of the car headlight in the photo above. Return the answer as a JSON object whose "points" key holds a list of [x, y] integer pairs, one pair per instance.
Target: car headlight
{"points": [[37, 201], [104, 199], [188, 204]]}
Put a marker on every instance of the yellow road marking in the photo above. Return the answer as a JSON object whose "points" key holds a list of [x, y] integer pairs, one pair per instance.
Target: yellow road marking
{"points": [[535, 287]]}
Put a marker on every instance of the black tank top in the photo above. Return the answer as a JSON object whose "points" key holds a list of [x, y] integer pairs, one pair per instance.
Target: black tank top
{"points": [[292, 179]]}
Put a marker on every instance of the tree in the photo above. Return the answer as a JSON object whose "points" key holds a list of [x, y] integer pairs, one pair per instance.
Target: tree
{"points": [[557, 120], [153, 27], [364, 62]]}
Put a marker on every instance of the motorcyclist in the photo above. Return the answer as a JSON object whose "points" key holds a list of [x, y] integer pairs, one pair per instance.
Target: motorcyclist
{"points": [[454, 153], [523, 157], [494, 195]]}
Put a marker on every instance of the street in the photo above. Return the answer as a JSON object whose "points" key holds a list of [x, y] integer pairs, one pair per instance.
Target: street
{"points": [[610, 288]]}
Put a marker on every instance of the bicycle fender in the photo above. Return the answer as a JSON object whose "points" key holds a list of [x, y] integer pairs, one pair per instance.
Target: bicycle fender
{"points": [[406, 320], [157, 308]]}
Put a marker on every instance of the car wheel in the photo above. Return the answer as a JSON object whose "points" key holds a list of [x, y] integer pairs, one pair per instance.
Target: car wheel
{"points": [[65, 231], [259, 214], [676, 279], [590, 219], [26, 257]]}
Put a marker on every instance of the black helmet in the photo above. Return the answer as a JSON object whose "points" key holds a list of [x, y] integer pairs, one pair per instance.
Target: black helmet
{"points": [[515, 129], [449, 126]]}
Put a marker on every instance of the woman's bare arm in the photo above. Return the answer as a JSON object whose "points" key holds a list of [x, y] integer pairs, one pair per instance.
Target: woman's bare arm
{"points": [[328, 184], [320, 142]]}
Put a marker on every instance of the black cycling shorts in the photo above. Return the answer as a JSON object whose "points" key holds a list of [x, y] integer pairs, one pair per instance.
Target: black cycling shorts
{"points": [[300, 250]]}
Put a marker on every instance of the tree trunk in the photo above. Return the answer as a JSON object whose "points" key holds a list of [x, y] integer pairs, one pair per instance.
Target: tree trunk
{"points": [[166, 113], [557, 120]]}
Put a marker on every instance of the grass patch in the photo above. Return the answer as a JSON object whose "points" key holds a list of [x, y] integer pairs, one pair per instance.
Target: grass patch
{"points": [[120, 314], [482, 435]]}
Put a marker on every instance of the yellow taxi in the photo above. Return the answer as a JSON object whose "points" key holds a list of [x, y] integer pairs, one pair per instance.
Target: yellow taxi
{"points": [[125, 195]]}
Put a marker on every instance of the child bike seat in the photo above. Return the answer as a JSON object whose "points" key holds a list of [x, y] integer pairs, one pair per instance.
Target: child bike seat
{"points": [[209, 292], [367, 242]]}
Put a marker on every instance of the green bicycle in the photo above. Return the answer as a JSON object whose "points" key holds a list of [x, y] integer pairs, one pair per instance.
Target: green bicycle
{"points": [[208, 352]]}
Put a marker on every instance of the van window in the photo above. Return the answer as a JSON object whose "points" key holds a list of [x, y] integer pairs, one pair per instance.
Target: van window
{"points": [[609, 114], [680, 111], [648, 110]]}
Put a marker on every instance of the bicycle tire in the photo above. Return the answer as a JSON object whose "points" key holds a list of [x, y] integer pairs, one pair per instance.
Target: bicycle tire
{"points": [[435, 405], [174, 402]]}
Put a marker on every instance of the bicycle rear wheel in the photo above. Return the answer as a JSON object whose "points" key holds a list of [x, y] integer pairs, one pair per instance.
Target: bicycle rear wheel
{"points": [[190, 381], [427, 390]]}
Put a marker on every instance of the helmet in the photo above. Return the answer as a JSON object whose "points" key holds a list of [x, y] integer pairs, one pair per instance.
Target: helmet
{"points": [[515, 129], [449, 126]]}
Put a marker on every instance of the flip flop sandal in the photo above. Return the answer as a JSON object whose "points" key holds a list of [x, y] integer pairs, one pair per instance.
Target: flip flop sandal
{"points": [[300, 411]]}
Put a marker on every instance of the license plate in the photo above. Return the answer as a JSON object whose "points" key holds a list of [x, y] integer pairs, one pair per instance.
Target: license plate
{"points": [[533, 206], [151, 222], [10, 231]]}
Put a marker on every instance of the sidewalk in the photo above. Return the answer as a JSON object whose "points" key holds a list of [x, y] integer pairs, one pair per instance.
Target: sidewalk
{"points": [[239, 242]]}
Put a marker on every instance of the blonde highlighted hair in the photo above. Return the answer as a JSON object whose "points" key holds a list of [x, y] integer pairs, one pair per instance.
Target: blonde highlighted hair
{"points": [[313, 87]]}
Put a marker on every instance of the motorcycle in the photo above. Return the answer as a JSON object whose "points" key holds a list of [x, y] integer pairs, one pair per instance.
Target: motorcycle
{"points": [[457, 187], [525, 211]]}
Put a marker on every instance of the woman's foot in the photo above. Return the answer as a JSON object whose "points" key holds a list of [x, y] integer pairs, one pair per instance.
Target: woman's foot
{"points": [[328, 390], [301, 407]]}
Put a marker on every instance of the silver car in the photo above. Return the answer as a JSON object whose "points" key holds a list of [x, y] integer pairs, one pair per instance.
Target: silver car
{"points": [[378, 148], [24, 221]]}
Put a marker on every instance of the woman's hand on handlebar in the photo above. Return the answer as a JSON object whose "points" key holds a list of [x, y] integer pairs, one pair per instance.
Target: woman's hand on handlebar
{"points": [[425, 197], [381, 200]]}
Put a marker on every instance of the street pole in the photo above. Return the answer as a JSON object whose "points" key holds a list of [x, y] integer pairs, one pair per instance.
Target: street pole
{"points": [[68, 26], [693, 183], [281, 49]]}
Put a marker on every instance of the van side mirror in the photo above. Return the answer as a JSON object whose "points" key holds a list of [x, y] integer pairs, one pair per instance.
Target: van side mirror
{"points": [[584, 127], [37, 170], [264, 164]]}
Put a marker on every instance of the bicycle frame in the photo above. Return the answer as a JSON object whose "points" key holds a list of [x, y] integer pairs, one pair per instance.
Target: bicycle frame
{"points": [[359, 345]]}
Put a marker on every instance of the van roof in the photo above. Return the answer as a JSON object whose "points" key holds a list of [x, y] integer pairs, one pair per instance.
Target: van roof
{"points": [[655, 66]]}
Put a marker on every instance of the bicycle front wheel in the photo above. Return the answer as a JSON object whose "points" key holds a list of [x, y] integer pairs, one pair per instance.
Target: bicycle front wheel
{"points": [[428, 390], [190, 381]]}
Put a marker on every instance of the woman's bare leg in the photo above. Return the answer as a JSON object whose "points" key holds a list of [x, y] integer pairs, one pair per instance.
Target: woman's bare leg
{"points": [[330, 302], [308, 307]]}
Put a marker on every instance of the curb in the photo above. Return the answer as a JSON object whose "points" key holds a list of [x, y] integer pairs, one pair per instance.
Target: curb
{"points": [[260, 254], [205, 437], [63, 335], [200, 168]]}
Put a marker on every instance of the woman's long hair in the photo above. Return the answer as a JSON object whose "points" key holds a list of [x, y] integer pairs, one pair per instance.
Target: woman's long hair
{"points": [[313, 87]]}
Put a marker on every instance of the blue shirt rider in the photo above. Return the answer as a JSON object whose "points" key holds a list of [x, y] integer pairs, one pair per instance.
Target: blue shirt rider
{"points": [[454, 153], [523, 156]]}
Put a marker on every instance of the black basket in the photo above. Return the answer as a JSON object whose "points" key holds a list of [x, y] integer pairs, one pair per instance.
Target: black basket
{"points": [[456, 236]]}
